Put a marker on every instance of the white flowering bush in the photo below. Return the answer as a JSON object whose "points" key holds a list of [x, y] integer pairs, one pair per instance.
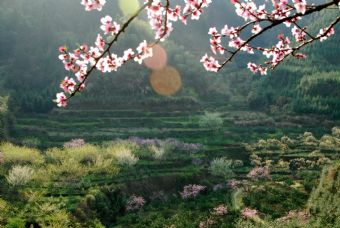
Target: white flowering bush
{"points": [[20, 175], [125, 157], [158, 152]]}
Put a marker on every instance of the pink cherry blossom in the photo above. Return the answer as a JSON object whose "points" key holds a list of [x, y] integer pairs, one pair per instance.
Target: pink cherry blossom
{"points": [[61, 100], [324, 34], [252, 67], [300, 6], [68, 85], [210, 63], [144, 51], [62, 49], [109, 26], [256, 29], [299, 34], [236, 43], [128, 54], [100, 43], [93, 4]]}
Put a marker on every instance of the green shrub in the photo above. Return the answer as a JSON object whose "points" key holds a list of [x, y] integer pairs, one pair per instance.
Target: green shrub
{"points": [[15, 223], [242, 223], [31, 142], [67, 168], [84, 154], [222, 167], [274, 200], [104, 204], [211, 120], [4, 208], [160, 152]]}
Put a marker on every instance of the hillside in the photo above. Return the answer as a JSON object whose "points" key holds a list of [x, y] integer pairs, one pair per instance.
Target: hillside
{"points": [[140, 150]]}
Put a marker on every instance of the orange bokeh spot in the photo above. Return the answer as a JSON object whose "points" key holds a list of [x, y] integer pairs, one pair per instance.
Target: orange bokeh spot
{"points": [[158, 60], [166, 82]]}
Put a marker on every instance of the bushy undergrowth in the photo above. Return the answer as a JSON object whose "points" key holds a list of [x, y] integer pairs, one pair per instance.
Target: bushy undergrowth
{"points": [[37, 175], [15, 155], [134, 183]]}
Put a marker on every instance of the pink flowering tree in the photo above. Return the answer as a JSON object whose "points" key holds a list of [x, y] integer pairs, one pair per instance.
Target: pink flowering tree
{"points": [[226, 42], [192, 191], [215, 215], [259, 173], [249, 213]]}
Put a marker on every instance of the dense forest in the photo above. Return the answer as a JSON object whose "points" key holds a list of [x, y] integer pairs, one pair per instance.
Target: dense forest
{"points": [[227, 150]]}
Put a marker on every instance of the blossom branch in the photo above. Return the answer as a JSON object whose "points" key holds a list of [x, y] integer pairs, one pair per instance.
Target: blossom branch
{"points": [[107, 50], [83, 61], [322, 35], [274, 24], [257, 15], [100, 56]]}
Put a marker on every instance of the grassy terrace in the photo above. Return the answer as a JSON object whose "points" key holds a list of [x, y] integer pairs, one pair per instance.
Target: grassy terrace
{"points": [[98, 125]]}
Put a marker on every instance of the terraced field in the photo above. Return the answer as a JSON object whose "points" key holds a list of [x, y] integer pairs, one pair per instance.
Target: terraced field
{"points": [[97, 126], [154, 178], [100, 126]]}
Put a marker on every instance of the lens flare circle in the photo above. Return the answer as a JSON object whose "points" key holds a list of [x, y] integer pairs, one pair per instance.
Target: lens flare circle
{"points": [[166, 82], [158, 60], [128, 7]]}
